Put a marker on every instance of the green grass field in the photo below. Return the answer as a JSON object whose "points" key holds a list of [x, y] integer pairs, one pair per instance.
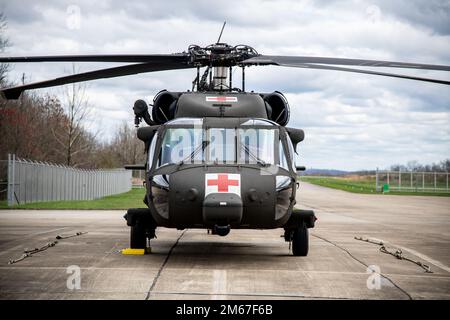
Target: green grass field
{"points": [[133, 198], [359, 184], [130, 199]]}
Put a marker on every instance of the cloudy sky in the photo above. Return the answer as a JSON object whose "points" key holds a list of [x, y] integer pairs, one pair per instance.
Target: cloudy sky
{"points": [[351, 121]]}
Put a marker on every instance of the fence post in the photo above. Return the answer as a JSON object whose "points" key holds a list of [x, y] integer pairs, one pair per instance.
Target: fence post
{"points": [[388, 177], [447, 181], [411, 180], [41, 177], [18, 182], [27, 180], [435, 174], [9, 180], [72, 184], [13, 193], [376, 180], [423, 181], [400, 179]]}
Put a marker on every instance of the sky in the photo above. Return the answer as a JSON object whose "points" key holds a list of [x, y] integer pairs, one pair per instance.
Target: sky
{"points": [[351, 121]]}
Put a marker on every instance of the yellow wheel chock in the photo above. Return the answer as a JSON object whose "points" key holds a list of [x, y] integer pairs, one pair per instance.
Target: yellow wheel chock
{"points": [[129, 251]]}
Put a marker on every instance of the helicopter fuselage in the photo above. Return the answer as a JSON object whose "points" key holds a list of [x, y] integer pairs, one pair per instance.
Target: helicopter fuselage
{"points": [[226, 183], [220, 161]]}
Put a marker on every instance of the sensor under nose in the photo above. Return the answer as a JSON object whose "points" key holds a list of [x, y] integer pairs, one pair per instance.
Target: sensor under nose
{"points": [[222, 209]]}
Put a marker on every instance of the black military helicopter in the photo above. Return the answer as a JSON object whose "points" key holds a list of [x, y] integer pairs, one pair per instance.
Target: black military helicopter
{"points": [[219, 157]]}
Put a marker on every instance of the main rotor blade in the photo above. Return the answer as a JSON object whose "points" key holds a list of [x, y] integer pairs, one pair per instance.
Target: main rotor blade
{"points": [[394, 75], [15, 92], [293, 60], [159, 58]]}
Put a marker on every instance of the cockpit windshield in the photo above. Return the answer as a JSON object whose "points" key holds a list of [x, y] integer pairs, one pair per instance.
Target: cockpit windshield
{"points": [[253, 142]]}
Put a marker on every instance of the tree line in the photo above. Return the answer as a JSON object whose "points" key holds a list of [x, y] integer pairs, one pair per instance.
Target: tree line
{"points": [[442, 166], [54, 128]]}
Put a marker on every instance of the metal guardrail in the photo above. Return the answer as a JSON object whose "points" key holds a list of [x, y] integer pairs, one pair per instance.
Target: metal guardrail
{"points": [[33, 181], [412, 181]]}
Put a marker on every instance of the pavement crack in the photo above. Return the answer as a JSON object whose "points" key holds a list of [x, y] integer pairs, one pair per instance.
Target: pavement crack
{"points": [[155, 280], [364, 264]]}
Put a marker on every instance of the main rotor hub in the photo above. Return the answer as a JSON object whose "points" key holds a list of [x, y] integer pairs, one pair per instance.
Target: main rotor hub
{"points": [[220, 55]]}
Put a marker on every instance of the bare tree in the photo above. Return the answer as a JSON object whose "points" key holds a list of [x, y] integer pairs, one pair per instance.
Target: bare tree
{"points": [[73, 139], [126, 146], [413, 165], [4, 42], [445, 165]]}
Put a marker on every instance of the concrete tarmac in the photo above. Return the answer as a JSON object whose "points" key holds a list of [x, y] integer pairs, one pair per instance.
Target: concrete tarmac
{"points": [[247, 264]]}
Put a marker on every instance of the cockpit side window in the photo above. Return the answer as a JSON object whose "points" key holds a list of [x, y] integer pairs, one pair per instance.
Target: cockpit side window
{"points": [[257, 145], [151, 151], [291, 152], [180, 144], [282, 156]]}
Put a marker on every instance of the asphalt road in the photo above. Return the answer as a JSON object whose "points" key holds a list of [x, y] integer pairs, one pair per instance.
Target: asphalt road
{"points": [[247, 264]]}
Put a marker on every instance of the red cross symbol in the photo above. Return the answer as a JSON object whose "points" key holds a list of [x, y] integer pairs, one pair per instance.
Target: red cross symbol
{"points": [[221, 99], [222, 182]]}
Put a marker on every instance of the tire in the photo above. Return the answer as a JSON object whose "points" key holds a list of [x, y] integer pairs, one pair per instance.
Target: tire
{"points": [[138, 240], [300, 242]]}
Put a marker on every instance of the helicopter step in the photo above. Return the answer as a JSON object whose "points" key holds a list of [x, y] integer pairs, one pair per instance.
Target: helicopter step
{"points": [[296, 230], [142, 227]]}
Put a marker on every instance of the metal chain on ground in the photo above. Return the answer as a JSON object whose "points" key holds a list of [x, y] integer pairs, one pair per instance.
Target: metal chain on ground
{"points": [[370, 240], [70, 236], [363, 263], [396, 252], [28, 253]]}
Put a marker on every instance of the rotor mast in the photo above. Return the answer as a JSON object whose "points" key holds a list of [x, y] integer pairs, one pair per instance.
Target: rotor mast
{"points": [[219, 58], [220, 72]]}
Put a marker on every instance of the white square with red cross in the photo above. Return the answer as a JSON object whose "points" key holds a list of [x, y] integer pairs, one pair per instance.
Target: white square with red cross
{"points": [[222, 183]]}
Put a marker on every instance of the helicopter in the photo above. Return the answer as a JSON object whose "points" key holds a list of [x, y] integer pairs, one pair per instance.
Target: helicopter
{"points": [[218, 157]]}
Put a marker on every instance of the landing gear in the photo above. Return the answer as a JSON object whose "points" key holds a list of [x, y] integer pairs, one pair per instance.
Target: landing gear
{"points": [[142, 227], [138, 240], [296, 231], [300, 242]]}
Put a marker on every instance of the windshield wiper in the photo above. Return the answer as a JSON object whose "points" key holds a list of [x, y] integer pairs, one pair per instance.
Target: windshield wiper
{"points": [[255, 157], [199, 148]]}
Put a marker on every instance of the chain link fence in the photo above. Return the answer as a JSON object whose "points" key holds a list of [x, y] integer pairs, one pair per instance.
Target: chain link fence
{"points": [[3, 180], [32, 181], [138, 178], [412, 181]]}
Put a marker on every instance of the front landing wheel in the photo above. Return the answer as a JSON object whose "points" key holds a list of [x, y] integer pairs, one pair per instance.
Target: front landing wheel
{"points": [[300, 242]]}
